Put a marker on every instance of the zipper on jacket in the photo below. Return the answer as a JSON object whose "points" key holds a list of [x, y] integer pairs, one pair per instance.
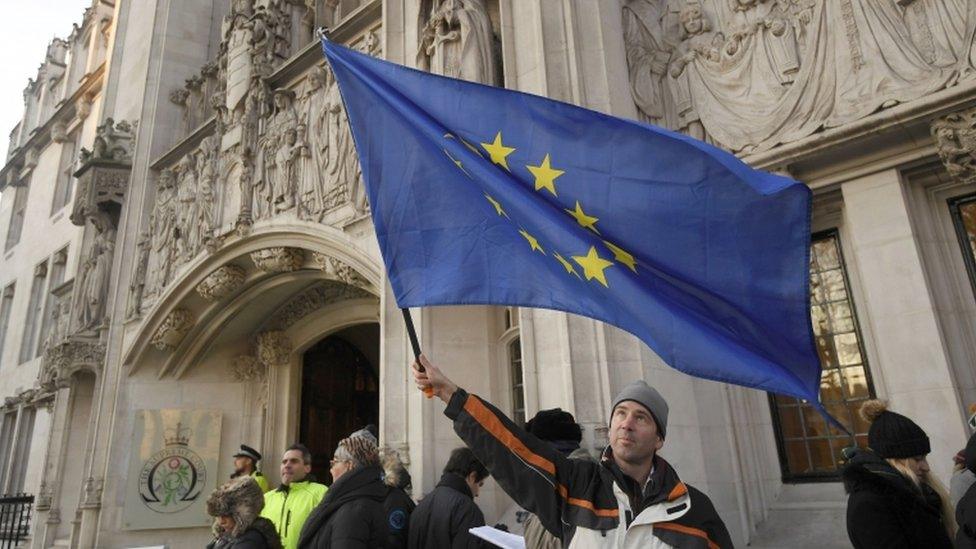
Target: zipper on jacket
{"points": [[287, 522], [281, 517]]}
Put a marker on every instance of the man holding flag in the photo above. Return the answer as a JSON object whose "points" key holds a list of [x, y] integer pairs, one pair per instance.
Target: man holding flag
{"points": [[632, 498], [481, 195]]}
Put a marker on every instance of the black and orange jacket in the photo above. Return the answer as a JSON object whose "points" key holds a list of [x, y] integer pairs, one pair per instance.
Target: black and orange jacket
{"points": [[586, 504]]}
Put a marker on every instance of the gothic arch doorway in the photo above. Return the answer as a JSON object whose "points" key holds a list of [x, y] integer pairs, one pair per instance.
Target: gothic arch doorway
{"points": [[340, 391]]}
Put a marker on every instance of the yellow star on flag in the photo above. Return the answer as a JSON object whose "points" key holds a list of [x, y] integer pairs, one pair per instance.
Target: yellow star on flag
{"points": [[586, 221], [593, 266], [498, 151], [532, 241], [566, 264], [498, 207], [457, 163], [622, 256], [545, 176]]}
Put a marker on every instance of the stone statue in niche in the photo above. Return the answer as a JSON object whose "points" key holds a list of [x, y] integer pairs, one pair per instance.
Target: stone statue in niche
{"points": [[274, 191], [311, 189], [206, 188], [186, 195], [163, 222], [340, 152], [456, 39], [287, 159], [647, 57], [137, 283], [697, 42], [92, 291]]}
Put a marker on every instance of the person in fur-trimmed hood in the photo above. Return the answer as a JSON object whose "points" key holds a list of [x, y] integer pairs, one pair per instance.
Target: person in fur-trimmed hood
{"points": [[893, 500], [236, 507]]}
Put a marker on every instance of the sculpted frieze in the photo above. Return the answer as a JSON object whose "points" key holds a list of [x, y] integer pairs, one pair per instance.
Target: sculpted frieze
{"points": [[61, 361], [456, 39], [273, 348], [314, 299], [224, 281], [751, 74], [338, 270]]}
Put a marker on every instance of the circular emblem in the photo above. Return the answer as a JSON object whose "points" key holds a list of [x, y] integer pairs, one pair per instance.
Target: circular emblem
{"points": [[398, 519], [172, 479]]}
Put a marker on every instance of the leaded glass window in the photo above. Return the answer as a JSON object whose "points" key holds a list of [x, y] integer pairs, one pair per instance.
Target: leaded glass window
{"points": [[964, 217], [810, 447]]}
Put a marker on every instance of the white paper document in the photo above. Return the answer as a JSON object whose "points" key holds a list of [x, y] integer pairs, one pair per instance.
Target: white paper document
{"points": [[498, 537]]}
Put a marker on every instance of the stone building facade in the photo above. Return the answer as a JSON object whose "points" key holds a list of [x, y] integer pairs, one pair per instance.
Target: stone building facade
{"points": [[186, 230]]}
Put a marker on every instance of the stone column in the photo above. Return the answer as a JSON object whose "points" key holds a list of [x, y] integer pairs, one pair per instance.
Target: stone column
{"points": [[274, 350], [911, 368]]}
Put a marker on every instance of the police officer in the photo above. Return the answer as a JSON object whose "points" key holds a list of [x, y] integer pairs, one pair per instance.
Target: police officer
{"points": [[246, 464]]}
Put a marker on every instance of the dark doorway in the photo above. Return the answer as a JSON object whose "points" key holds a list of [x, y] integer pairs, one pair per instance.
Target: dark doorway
{"points": [[340, 391]]}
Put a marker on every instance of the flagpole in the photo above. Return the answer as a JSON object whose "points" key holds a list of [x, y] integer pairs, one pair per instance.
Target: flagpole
{"points": [[415, 344]]}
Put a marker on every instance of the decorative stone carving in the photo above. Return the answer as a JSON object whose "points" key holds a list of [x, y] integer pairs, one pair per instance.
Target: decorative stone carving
{"points": [[774, 71], [42, 501], [312, 300], [338, 270], [137, 284], [113, 142], [273, 348], [91, 497], [247, 368], [279, 259], [71, 355], [955, 136], [456, 40], [221, 283], [59, 132], [173, 330]]}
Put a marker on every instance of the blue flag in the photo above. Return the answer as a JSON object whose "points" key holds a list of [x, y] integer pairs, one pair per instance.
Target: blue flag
{"points": [[482, 195]]}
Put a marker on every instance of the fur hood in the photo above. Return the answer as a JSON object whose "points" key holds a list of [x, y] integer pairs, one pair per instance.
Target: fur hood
{"points": [[240, 499]]}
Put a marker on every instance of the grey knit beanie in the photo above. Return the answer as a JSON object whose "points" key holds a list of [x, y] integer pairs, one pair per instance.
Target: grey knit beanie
{"points": [[645, 395]]}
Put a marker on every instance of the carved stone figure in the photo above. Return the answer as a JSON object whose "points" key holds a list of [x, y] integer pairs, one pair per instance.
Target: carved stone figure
{"points": [[456, 39], [186, 196], [311, 188], [164, 223], [137, 284], [247, 368], [93, 282], [287, 158], [278, 260], [698, 43], [112, 142], [648, 56], [206, 189]]}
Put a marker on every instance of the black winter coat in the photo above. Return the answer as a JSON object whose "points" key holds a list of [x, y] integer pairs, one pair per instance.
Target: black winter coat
{"points": [[351, 514], [442, 519], [884, 509], [397, 508], [261, 534], [966, 518]]}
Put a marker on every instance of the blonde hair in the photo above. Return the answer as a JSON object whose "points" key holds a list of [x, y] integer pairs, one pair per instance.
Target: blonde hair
{"points": [[948, 514]]}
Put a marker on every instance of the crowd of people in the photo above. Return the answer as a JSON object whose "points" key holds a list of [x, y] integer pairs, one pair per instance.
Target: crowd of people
{"points": [[628, 497]]}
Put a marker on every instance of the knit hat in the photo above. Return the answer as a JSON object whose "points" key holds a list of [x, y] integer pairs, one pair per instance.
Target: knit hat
{"points": [[360, 448], [893, 435], [555, 424], [241, 499], [645, 395]]}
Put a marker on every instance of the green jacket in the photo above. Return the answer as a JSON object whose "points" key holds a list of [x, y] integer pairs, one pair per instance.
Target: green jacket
{"points": [[288, 507]]}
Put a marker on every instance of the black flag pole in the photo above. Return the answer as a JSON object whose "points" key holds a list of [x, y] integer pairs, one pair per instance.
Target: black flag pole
{"points": [[415, 344]]}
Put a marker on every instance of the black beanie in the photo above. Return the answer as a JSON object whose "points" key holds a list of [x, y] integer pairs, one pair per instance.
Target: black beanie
{"points": [[555, 424], [893, 435]]}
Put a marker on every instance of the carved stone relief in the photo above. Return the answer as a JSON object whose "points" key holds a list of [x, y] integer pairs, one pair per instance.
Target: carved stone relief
{"points": [[273, 348], [278, 260], [64, 359], [92, 493], [224, 281], [312, 300], [955, 136], [338, 270], [752, 74], [246, 368], [173, 330]]}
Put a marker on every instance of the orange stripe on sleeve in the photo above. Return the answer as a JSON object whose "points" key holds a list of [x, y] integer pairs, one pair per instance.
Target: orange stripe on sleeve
{"points": [[497, 429], [687, 530]]}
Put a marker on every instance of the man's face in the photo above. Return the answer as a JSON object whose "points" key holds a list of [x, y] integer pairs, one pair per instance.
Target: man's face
{"points": [[293, 468], [242, 465], [633, 433], [474, 484]]}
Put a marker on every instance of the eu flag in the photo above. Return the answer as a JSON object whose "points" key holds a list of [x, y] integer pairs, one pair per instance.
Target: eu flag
{"points": [[482, 195]]}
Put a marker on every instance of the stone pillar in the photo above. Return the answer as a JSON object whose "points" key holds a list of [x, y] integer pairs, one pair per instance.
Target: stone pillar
{"points": [[910, 367], [274, 350]]}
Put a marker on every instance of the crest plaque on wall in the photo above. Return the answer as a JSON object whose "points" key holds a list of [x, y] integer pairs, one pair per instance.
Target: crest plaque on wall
{"points": [[172, 468]]}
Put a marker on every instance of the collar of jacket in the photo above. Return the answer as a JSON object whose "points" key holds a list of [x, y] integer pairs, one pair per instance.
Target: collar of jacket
{"points": [[662, 485], [866, 469], [300, 485], [363, 482], [455, 481]]}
